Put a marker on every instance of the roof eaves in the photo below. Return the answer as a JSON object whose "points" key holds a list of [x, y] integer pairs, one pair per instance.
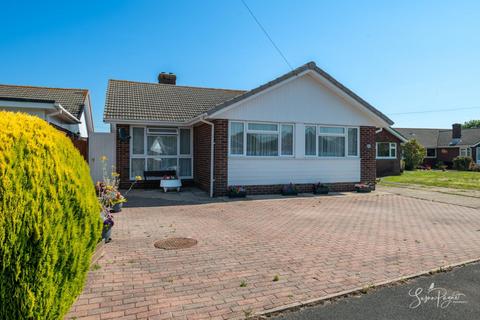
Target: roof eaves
{"points": [[308, 66]]}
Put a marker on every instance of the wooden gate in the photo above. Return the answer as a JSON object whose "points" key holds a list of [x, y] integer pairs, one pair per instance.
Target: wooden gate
{"points": [[82, 145]]}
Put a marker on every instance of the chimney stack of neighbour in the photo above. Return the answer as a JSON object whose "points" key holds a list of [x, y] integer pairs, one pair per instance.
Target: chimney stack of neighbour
{"points": [[167, 78]]}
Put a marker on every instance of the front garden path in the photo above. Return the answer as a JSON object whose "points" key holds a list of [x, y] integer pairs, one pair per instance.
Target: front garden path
{"points": [[315, 247]]}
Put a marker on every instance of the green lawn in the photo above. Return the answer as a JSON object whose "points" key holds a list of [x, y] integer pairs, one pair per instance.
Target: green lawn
{"points": [[447, 179]]}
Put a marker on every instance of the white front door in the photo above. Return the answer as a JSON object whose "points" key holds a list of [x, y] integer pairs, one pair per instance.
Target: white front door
{"points": [[478, 155]]}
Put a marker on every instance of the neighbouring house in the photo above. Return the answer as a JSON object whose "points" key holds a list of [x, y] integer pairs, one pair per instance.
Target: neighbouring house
{"points": [[303, 127], [388, 151], [443, 144], [68, 110]]}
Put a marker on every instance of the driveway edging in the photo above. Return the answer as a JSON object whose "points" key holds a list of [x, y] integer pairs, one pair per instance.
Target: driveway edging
{"points": [[311, 302]]}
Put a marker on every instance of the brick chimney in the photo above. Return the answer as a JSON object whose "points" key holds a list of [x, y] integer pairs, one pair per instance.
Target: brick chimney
{"points": [[456, 131], [167, 78]]}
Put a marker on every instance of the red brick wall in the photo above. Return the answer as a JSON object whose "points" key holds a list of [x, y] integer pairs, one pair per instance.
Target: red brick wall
{"points": [[367, 155], [221, 157], [387, 167], [123, 153], [201, 156], [302, 188], [447, 156]]}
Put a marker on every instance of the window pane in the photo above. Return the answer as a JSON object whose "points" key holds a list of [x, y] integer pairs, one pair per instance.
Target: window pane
{"points": [[310, 139], [393, 150], [383, 149], [331, 146], [138, 166], [161, 131], [430, 152], [262, 144], [262, 126], [332, 130], [161, 164], [138, 141], [236, 138], [352, 141], [162, 145], [184, 141], [185, 165], [287, 140]]}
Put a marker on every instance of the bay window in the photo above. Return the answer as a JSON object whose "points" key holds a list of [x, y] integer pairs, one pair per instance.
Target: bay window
{"points": [[386, 150], [155, 149], [261, 139]]}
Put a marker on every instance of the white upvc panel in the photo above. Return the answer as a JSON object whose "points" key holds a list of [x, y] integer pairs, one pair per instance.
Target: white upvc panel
{"points": [[245, 171], [301, 100], [299, 140]]}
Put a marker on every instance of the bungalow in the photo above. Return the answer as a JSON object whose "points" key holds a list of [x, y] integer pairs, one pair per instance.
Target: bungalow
{"points": [[303, 127], [443, 144], [68, 110], [388, 151]]}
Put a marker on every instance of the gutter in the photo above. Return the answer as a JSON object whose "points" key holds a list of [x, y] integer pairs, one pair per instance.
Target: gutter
{"points": [[63, 111], [212, 153]]}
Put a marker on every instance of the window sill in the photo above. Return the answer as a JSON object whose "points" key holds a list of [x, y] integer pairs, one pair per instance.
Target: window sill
{"points": [[386, 158]]}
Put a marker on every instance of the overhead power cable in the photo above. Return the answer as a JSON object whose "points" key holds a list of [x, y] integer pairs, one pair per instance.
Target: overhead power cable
{"points": [[432, 111], [268, 36]]}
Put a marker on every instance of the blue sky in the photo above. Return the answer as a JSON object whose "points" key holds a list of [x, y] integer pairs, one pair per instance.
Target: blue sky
{"points": [[400, 56]]}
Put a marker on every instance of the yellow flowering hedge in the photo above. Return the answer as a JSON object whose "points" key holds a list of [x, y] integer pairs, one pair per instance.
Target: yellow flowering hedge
{"points": [[49, 219]]}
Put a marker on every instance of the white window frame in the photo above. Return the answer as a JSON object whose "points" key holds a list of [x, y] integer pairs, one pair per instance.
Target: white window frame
{"points": [[146, 156], [467, 151], [392, 146], [431, 157], [345, 135], [246, 130], [316, 141]]}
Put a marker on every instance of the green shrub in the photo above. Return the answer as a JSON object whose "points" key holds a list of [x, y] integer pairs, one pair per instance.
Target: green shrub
{"points": [[49, 219], [462, 163], [413, 154]]}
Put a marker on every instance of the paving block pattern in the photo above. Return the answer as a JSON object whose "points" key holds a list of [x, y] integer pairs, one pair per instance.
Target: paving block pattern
{"points": [[317, 246]]}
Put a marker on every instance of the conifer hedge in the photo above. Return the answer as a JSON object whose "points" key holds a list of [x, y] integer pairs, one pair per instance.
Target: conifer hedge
{"points": [[49, 219]]}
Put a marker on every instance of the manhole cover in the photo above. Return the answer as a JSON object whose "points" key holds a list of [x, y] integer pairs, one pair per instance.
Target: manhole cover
{"points": [[175, 243]]}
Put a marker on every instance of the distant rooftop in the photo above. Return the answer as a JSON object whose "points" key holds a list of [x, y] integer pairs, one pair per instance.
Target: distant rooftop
{"points": [[73, 100]]}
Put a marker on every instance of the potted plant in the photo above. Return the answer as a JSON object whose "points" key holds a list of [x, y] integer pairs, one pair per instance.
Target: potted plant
{"points": [[321, 188], [289, 190], [107, 227], [236, 192], [117, 202], [363, 187]]}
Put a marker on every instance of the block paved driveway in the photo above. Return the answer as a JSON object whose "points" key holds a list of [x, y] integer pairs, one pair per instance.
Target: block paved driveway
{"points": [[318, 246]]}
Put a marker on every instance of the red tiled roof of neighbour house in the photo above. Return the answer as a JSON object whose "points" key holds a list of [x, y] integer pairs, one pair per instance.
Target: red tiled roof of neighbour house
{"points": [[72, 100]]}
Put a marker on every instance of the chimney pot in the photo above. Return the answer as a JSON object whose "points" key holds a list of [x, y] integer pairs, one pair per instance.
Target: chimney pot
{"points": [[456, 131], [167, 78]]}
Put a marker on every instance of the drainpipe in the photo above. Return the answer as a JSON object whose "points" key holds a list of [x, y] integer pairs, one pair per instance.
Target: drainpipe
{"points": [[212, 152]]}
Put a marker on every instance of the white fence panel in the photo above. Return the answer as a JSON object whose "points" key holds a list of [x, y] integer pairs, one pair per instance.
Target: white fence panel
{"points": [[101, 144]]}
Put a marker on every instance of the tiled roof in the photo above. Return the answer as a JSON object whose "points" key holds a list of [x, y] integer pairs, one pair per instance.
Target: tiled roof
{"points": [[441, 137], [72, 100], [469, 137], [426, 137], [128, 100]]}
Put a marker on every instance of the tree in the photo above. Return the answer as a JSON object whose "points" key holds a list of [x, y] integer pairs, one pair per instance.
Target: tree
{"points": [[49, 219], [471, 124], [413, 154]]}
